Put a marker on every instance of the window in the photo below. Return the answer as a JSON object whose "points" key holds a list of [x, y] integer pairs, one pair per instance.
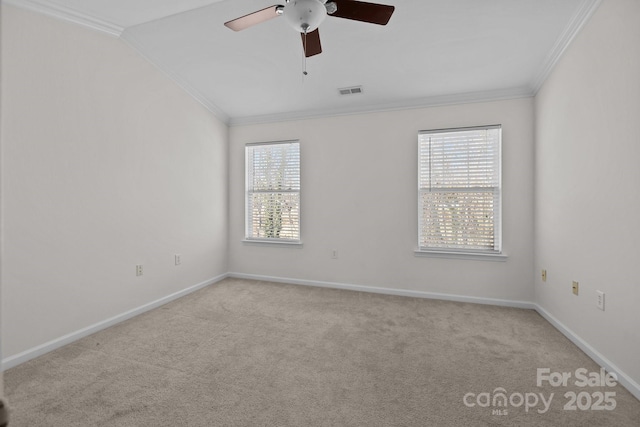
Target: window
{"points": [[273, 191], [459, 182]]}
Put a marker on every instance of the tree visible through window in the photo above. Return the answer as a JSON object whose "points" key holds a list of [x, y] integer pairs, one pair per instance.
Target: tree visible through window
{"points": [[273, 191], [460, 190]]}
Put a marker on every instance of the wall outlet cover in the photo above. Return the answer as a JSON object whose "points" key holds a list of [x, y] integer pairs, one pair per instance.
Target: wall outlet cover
{"points": [[600, 300]]}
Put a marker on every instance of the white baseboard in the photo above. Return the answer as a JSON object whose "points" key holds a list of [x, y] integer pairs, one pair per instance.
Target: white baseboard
{"points": [[623, 379], [388, 291], [41, 349]]}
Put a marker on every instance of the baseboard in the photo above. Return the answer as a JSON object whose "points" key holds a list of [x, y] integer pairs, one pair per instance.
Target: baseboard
{"points": [[39, 350], [388, 291], [623, 379]]}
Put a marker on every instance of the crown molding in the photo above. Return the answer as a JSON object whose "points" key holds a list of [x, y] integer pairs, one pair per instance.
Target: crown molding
{"points": [[579, 19], [426, 102], [575, 25], [60, 12], [196, 94], [66, 14]]}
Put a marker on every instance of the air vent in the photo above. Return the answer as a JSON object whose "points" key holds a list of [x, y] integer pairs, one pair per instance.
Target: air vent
{"points": [[350, 90]]}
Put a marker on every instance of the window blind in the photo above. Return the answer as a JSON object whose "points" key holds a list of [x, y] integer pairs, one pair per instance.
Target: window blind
{"points": [[460, 189], [273, 191]]}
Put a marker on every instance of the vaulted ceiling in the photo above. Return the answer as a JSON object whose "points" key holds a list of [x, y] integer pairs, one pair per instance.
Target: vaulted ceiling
{"points": [[432, 52]]}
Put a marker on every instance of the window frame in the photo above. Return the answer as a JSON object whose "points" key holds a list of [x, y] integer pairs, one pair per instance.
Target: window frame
{"points": [[276, 241], [496, 254]]}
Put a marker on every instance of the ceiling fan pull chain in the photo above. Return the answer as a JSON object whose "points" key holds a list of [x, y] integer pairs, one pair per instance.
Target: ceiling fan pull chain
{"points": [[304, 66]]}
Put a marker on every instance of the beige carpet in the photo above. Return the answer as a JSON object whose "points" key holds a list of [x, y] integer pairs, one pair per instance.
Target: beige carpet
{"points": [[245, 353]]}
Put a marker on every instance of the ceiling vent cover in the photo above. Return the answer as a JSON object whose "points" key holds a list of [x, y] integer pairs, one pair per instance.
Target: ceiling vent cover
{"points": [[350, 90]]}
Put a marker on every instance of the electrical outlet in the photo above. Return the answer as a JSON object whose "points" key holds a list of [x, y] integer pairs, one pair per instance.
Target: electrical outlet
{"points": [[600, 300], [139, 270], [178, 259], [575, 288], [544, 275]]}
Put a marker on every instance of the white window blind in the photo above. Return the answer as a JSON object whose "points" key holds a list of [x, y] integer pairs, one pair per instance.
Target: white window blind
{"points": [[273, 191], [459, 185]]}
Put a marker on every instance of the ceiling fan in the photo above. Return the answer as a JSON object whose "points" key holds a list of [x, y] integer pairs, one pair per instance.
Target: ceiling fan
{"points": [[306, 15]]}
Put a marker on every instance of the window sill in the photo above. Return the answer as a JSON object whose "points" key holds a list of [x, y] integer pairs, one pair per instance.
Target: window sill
{"points": [[274, 243], [476, 256]]}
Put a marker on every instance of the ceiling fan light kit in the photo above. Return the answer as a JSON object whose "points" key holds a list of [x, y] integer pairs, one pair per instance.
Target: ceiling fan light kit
{"points": [[305, 16]]}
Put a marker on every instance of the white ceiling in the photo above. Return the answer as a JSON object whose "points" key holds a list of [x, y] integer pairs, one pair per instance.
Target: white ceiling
{"points": [[431, 52]]}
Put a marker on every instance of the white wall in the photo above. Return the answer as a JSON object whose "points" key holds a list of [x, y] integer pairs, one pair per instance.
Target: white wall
{"points": [[359, 196], [587, 185], [105, 164]]}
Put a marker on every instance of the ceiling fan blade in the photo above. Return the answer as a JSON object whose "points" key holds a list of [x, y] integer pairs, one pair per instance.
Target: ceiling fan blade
{"points": [[252, 19], [311, 43], [361, 11]]}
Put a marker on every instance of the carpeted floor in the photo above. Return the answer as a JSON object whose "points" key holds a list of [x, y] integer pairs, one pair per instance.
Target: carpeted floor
{"points": [[246, 353]]}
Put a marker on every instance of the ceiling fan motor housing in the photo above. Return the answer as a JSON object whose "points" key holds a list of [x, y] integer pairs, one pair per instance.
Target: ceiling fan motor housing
{"points": [[305, 15]]}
